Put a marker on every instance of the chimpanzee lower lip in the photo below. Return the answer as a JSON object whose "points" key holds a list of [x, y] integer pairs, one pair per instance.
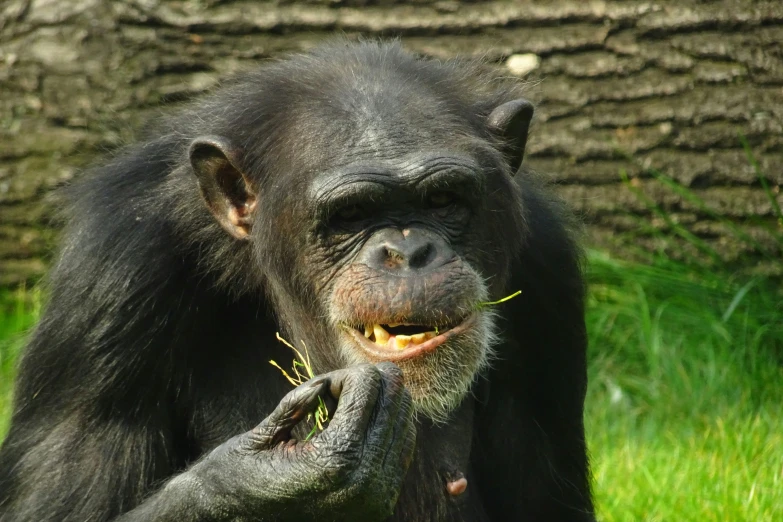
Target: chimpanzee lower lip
{"points": [[414, 350]]}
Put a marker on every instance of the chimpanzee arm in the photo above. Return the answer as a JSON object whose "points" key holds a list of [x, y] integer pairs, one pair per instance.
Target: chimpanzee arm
{"points": [[84, 488], [93, 424], [530, 418], [353, 470], [178, 501], [88, 436], [71, 467]]}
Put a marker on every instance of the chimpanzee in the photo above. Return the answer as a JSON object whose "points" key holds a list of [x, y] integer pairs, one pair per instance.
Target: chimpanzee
{"points": [[368, 205]]}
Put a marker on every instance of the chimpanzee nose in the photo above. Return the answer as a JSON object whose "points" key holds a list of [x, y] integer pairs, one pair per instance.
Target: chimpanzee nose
{"points": [[405, 251]]}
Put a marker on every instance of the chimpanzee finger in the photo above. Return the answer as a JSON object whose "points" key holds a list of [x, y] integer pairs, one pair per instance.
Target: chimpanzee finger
{"points": [[356, 390], [390, 401], [289, 412], [400, 452]]}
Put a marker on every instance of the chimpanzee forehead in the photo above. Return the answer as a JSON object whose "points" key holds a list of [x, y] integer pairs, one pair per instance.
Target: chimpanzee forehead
{"points": [[364, 105], [381, 128], [373, 108]]}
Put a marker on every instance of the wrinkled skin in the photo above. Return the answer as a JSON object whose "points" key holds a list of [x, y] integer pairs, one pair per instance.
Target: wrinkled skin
{"points": [[354, 468]]}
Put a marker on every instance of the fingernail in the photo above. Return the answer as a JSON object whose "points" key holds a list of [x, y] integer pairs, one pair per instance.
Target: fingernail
{"points": [[316, 382]]}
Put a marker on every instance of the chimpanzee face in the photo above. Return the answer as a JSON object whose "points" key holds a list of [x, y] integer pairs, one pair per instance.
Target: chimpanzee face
{"points": [[399, 252], [379, 225], [397, 279]]}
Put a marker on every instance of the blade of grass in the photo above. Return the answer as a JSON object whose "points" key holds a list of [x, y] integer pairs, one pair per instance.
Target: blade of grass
{"points": [[321, 413], [738, 297]]}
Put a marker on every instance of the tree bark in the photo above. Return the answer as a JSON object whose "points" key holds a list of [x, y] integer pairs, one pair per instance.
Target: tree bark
{"points": [[624, 85]]}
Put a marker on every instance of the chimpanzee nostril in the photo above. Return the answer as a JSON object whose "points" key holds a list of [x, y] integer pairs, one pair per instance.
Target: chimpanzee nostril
{"points": [[408, 255], [422, 256], [393, 255], [390, 250]]}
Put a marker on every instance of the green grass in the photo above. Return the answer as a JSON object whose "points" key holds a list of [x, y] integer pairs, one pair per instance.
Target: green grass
{"points": [[685, 397], [18, 312], [686, 386]]}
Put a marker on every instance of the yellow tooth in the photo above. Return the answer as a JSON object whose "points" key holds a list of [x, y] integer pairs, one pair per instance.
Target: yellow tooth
{"points": [[392, 325], [367, 331], [418, 338], [381, 335], [429, 335], [401, 341]]}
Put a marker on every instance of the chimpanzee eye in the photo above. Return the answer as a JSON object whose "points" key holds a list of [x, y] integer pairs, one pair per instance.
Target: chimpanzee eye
{"points": [[350, 213], [440, 199]]}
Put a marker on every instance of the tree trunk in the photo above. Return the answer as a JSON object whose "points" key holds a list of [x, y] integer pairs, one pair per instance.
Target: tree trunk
{"points": [[625, 85]]}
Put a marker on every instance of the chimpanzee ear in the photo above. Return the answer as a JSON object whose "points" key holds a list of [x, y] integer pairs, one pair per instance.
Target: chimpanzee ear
{"points": [[225, 187], [511, 122]]}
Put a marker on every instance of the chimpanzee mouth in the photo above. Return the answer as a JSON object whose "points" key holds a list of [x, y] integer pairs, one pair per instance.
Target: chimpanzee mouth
{"points": [[398, 341], [398, 336]]}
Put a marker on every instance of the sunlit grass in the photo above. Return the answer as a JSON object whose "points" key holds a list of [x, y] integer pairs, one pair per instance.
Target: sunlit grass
{"points": [[19, 309], [702, 468], [686, 387]]}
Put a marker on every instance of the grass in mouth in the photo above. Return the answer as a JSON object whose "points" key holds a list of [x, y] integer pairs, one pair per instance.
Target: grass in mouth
{"points": [[303, 371], [499, 301]]}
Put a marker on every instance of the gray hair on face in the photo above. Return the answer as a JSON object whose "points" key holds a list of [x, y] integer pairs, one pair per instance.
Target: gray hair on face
{"points": [[438, 381]]}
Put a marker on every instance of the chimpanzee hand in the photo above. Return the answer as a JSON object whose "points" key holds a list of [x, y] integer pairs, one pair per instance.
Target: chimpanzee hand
{"points": [[353, 470]]}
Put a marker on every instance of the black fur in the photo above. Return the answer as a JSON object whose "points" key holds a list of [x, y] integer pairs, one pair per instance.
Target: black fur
{"points": [[155, 342]]}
